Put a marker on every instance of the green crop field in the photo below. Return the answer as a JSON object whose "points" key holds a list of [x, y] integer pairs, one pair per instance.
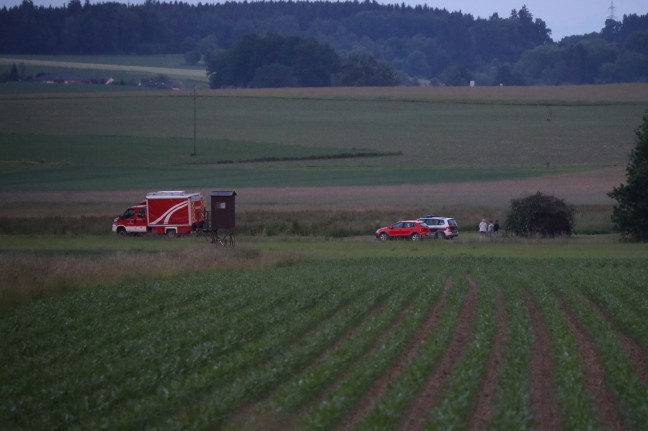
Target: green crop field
{"points": [[463, 151], [53, 140], [310, 323], [365, 343]]}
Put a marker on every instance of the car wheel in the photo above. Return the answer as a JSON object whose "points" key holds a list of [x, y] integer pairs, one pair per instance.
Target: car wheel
{"points": [[384, 236], [415, 236], [442, 235], [121, 231]]}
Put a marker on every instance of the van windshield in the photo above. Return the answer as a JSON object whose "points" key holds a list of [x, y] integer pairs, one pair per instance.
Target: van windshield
{"points": [[130, 212]]}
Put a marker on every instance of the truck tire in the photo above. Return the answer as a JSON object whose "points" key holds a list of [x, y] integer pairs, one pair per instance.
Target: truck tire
{"points": [[121, 231]]}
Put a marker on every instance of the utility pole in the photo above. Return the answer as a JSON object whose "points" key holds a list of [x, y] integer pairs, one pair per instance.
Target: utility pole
{"points": [[195, 152], [551, 137]]}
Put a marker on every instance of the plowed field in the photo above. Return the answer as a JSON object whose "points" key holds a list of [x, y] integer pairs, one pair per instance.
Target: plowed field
{"points": [[581, 188]]}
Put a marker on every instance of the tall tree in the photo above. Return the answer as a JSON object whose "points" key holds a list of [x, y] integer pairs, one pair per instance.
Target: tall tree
{"points": [[362, 70], [417, 41], [630, 215], [257, 61]]}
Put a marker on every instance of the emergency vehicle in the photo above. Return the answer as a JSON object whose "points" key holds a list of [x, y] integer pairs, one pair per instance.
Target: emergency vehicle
{"points": [[164, 212]]}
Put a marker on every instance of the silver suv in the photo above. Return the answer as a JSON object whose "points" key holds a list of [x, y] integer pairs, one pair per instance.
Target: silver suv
{"points": [[440, 227]]}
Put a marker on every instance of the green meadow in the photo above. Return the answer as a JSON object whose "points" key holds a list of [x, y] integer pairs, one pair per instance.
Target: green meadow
{"points": [[85, 141]]}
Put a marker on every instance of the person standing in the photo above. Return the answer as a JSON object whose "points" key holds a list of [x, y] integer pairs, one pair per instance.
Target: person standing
{"points": [[491, 228], [496, 228], [483, 229]]}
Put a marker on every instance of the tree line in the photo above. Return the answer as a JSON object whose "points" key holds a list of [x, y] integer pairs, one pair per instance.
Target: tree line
{"points": [[418, 43], [293, 61]]}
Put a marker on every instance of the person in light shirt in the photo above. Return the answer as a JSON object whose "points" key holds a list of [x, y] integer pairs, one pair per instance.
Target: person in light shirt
{"points": [[483, 229]]}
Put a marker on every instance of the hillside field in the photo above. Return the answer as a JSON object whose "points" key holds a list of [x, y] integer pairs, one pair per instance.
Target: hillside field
{"points": [[373, 148], [309, 322]]}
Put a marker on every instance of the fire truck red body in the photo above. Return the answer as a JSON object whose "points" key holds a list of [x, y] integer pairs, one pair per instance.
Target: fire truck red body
{"points": [[163, 212]]}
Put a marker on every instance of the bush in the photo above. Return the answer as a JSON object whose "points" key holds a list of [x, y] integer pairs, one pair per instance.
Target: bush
{"points": [[540, 214]]}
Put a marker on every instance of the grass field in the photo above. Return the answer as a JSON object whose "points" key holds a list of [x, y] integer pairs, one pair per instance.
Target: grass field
{"points": [[429, 133], [118, 67], [79, 142], [310, 323]]}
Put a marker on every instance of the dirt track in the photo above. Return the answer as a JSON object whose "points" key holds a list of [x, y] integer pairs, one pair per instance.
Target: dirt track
{"points": [[582, 188], [576, 189]]}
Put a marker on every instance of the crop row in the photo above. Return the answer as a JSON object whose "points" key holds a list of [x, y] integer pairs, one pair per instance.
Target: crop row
{"points": [[359, 344]]}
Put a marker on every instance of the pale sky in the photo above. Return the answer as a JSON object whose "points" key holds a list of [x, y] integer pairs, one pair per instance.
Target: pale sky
{"points": [[564, 18]]}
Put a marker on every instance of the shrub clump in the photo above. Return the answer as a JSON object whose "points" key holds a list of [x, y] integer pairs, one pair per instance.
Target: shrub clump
{"points": [[540, 215]]}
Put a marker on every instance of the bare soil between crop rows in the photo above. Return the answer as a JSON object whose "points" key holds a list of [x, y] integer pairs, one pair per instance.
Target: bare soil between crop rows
{"points": [[430, 396], [632, 348], [485, 398], [544, 406], [543, 401], [378, 390], [606, 402]]}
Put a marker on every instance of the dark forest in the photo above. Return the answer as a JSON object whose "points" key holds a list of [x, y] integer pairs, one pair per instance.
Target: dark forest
{"points": [[408, 45]]}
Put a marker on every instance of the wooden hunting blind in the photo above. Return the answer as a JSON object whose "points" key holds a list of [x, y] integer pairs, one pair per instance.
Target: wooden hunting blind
{"points": [[223, 210]]}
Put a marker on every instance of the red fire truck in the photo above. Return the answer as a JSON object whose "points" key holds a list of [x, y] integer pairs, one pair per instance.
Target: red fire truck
{"points": [[164, 212]]}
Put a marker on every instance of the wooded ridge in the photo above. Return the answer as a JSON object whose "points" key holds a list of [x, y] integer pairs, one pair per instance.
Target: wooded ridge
{"points": [[422, 44]]}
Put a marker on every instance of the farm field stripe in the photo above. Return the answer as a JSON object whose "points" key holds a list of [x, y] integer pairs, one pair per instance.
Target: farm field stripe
{"points": [[635, 353], [198, 386], [544, 406], [272, 367], [377, 323], [378, 390], [418, 413], [249, 414], [200, 382], [125, 336], [607, 404], [483, 410], [511, 403], [621, 377], [297, 357], [330, 408], [67, 364], [620, 311], [401, 320], [351, 347]]}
